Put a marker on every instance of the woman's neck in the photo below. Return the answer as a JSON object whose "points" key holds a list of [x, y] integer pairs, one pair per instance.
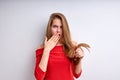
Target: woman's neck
{"points": [[59, 44]]}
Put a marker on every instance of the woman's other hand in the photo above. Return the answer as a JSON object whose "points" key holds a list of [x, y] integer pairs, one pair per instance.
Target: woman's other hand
{"points": [[78, 53]]}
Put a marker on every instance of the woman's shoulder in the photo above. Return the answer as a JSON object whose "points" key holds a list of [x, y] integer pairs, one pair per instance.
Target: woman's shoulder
{"points": [[40, 47], [39, 50]]}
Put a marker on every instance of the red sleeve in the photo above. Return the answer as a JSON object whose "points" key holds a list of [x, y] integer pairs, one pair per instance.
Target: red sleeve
{"points": [[39, 74], [73, 70]]}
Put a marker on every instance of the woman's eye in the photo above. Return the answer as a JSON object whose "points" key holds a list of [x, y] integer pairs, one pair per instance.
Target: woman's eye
{"points": [[54, 26]]}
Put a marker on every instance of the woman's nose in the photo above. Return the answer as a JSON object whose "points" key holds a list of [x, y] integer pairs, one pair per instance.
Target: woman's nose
{"points": [[58, 29]]}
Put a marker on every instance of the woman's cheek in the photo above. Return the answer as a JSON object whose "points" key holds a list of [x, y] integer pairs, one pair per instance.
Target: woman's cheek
{"points": [[53, 32]]}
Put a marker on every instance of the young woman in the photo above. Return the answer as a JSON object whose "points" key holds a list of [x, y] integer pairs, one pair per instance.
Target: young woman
{"points": [[59, 58]]}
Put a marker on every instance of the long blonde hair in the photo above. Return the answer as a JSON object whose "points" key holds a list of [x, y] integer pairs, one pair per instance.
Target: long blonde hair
{"points": [[68, 45]]}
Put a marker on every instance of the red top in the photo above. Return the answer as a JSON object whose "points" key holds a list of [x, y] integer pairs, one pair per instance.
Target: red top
{"points": [[59, 66]]}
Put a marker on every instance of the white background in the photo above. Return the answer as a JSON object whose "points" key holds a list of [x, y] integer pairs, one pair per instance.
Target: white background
{"points": [[23, 25]]}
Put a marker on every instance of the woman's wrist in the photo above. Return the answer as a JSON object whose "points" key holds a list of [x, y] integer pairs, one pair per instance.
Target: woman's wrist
{"points": [[46, 50]]}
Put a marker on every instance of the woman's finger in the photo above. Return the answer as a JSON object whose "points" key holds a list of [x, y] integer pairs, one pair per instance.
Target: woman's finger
{"points": [[79, 54], [55, 38]]}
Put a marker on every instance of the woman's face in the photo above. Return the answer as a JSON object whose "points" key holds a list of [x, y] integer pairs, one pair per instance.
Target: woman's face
{"points": [[56, 27]]}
